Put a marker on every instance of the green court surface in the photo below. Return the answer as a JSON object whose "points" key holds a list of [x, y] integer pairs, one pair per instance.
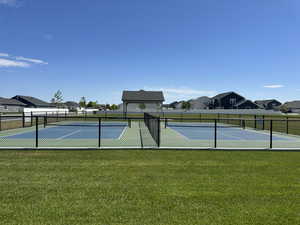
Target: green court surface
{"points": [[138, 136]]}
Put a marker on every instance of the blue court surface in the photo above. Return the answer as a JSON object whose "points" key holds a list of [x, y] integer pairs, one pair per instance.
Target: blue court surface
{"points": [[75, 131], [223, 133]]}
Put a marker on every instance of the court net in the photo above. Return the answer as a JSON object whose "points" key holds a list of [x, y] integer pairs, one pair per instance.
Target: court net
{"points": [[153, 125]]}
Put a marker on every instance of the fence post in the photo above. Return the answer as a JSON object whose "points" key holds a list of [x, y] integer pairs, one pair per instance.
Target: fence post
{"points": [[31, 119], [158, 132], [215, 133], [271, 134], [263, 119], [36, 132], [23, 119], [287, 125], [99, 132], [255, 122], [0, 121]]}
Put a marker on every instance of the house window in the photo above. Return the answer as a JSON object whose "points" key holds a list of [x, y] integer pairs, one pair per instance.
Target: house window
{"points": [[232, 101]]}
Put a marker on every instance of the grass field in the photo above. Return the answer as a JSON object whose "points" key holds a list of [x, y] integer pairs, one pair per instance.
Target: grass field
{"points": [[149, 187]]}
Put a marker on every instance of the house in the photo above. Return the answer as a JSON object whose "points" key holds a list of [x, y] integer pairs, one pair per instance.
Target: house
{"points": [[11, 105], [147, 99], [200, 103], [246, 104], [72, 106], [291, 107], [231, 100], [270, 104], [33, 102]]}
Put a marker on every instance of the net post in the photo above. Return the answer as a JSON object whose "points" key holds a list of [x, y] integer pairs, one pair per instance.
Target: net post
{"points": [[36, 132], [287, 125], [166, 123], [23, 119], [263, 119], [99, 132], [0, 121], [271, 134], [31, 119], [129, 122], [215, 142], [57, 116], [45, 121], [255, 122]]}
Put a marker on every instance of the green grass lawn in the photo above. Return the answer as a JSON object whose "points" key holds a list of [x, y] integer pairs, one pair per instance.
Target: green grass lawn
{"points": [[149, 187]]}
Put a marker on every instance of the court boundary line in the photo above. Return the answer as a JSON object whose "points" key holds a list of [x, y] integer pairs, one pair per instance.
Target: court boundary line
{"points": [[68, 135], [122, 133]]}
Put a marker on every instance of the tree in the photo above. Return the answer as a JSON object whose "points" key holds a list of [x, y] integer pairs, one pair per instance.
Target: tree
{"points": [[92, 104], [82, 102], [186, 105], [57, 98], [142, 106], [114, 107]]}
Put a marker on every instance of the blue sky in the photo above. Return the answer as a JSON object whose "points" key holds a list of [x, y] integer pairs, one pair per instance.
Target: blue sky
{"points": [[191, 48]]}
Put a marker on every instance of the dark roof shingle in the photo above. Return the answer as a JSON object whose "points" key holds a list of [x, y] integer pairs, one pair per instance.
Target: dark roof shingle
{"points": [[32, 100], [10, 101], [143, 96]]}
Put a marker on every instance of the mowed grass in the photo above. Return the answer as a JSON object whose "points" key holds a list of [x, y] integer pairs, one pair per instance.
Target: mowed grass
{"points": [[149, 187]]}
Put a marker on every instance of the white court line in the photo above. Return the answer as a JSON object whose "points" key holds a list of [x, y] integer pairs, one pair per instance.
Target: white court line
{"points": [[122, 133], [67, 135]]}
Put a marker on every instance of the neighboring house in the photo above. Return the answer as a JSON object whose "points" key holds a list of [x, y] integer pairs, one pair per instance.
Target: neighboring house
{"points": [[231, 100], [11, 105], [173, 105], [32, 102], [246, 104], [270, 104], [149, 99], [72, 106], [200, 103], [291, 107]]}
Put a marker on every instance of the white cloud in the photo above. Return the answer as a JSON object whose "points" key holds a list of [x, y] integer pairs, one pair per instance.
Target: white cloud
{"points": [[274, 86], [37, 61], [13, 63], [4, 55], [9, 2], [182, 93], [7, 60]]}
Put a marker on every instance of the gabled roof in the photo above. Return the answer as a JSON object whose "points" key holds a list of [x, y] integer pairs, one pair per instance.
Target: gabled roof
{"points": [[32, 100], [10, 101], [267, 101], [245, 101], [71, 104], [143, 96], [222, 95], [293, 104]]}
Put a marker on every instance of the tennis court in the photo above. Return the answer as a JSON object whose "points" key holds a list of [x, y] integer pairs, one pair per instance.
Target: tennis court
{"points": [[206, 131], [75, 130], [147, 132]]}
